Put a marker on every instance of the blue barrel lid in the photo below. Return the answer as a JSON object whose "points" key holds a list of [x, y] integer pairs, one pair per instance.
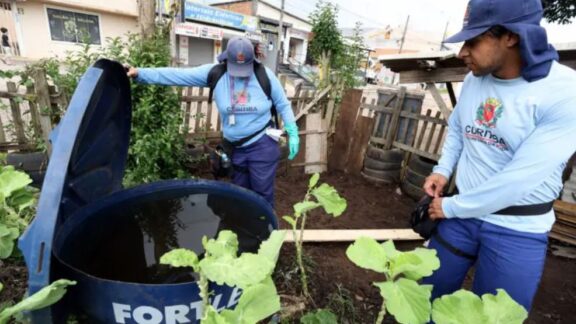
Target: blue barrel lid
{"points": [[89, 151]]}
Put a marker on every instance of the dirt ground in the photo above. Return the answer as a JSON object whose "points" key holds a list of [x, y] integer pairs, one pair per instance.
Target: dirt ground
{"points": [[338, 284], [346, 289]]}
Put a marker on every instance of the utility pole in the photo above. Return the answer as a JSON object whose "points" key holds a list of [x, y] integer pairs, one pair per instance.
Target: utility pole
{"points": [[404, 35], [280, 37], [254, 7], [444, 35], [146, 17]]}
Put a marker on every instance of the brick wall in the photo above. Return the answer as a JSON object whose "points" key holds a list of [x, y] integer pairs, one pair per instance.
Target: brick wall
{"points": [[244, 7]]}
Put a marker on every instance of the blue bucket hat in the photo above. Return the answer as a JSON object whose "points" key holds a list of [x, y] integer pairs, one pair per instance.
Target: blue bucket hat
{"points": [[239, 57], [521, 17]]}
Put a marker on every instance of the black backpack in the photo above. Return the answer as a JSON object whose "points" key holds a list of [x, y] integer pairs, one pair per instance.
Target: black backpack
{"points": [[218, 71]]}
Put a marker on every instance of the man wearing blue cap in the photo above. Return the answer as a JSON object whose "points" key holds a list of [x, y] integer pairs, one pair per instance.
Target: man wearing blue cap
{"points": [[510, 135], [245, 111]]}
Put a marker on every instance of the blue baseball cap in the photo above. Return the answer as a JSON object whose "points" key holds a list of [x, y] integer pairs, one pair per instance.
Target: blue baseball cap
{"points": [[239, 56], [480, 15]]}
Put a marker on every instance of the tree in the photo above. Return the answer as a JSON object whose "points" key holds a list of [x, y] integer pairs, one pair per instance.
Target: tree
{"points": [[559, 11], [146, 16], [326, 42]]}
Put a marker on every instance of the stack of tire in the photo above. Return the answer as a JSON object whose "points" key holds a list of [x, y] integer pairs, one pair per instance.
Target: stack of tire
{"points": [[417, 170], [33, 163], [382, 166]]}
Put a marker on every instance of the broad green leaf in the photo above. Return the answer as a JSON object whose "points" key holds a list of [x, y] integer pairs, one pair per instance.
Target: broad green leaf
{"points": [[12, 180], [406, 300], [404, 262], [304, 206], [321, 316], [181, 258], [7, 237], [429, 263], [270, 248], [313, 180], [256, 303], [390, 250], [241, 272], [225, 244], [43, 298], [366, 253], [212, 317], [21, 199], [290, 220], [461, 307], [329, 198], [502, 309]]}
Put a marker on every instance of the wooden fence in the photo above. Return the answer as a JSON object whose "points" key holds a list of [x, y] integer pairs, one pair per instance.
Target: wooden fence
{"points": [[31, 112]]}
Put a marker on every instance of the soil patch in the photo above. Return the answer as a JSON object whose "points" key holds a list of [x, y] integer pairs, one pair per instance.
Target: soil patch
{"points": [[336, 283]]}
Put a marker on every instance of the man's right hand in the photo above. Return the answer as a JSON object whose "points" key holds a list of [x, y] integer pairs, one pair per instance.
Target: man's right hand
{"points": [[434, 185], [131, 71]]}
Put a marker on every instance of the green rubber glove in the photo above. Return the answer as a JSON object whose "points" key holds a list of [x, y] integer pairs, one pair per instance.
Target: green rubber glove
{"points": [[293, 139]]}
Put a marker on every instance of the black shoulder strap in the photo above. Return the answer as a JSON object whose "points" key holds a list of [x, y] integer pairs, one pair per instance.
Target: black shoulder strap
{"points": [[214, 76], [218, 71], [264, 81]]}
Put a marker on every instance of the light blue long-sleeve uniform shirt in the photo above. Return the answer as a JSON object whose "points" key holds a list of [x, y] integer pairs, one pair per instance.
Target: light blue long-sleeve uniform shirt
{"points": [[510, 141], [251, 113]]}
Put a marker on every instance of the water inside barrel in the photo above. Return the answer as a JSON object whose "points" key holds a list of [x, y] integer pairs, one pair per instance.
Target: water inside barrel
{"points": [[126, 243]]}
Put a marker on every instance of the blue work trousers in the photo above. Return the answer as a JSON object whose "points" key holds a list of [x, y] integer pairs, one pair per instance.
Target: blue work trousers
{"points": [[504, 258], [255, 166]]}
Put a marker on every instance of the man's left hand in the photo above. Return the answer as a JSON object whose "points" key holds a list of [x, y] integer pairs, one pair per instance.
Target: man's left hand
{"points": [[435, 209]]}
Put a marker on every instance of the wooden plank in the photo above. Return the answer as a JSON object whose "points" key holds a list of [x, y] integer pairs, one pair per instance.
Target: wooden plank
{"points": [[198, 114], [350, 235], [391, 135], [43, 102], [451, 94], [438, 99], [313, 103], [314, 149], [416, 151], [187, 110], [565, 207], [418, 143], [438, 144], [34, 113], [363, 128], [384, 108], [329, 122], [345, 125], [2, 134], [16, 114], [209, 116], [561, 237], [308, 164], [431, 134], [455, 74]]}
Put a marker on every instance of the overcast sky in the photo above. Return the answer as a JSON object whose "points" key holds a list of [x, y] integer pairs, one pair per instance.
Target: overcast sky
{"points": [[425, 15]]}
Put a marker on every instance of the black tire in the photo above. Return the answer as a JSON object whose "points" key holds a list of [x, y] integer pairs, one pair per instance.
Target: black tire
{"points": [[421, 165], [414, 178], [411, 190], [389, 176], [195, 151], [374, 164], [394, 155], [376, 181], [27, 162], [37, 178]]}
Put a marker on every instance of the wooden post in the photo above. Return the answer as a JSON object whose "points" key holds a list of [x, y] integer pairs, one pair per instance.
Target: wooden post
{"points": [[2, 135], [16, 114], [345, 124], [315, 151], [395, 119], [34, 113], [438, 98], [43, 103]]}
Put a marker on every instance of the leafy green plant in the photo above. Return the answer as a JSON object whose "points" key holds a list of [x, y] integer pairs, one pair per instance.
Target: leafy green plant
{"points": [[250, 272], [326, 197], [320, 316], [402, 296], [464, 307], [17, 202], [409, 302], [43, 298]]}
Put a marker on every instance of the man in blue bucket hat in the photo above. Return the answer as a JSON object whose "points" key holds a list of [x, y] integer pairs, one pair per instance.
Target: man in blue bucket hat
{"points": [[246, 94], [510, 135]]}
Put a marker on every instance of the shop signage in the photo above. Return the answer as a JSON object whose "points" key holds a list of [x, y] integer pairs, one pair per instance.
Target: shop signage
{"points": [[197, 30], [198, 12]]}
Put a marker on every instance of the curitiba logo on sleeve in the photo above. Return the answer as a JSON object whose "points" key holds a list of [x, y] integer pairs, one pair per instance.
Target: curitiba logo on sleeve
{"points": [[488, 112]]}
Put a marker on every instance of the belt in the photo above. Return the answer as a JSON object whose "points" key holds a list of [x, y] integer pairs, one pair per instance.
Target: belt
{"points": [[527, 210]]}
